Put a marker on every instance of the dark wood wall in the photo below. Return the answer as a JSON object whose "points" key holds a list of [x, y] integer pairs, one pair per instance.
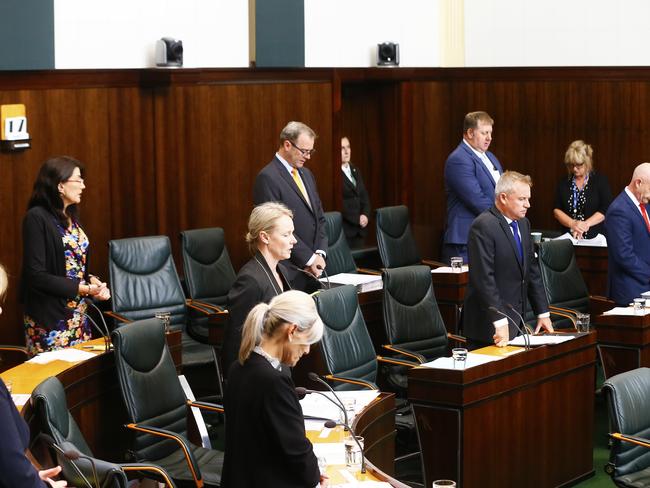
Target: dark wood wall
{"points": [[172, 150]]}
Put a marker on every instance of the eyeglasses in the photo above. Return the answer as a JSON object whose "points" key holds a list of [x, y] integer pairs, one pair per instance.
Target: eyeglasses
{"points": [[304, 152], [574, 165], [80, 180]]}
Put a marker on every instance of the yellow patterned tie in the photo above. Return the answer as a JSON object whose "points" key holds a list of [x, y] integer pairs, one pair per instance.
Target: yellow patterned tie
{"points": [[301, 187]]}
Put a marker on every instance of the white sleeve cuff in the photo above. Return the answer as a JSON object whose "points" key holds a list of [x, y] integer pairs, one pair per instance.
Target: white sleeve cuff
{"points": [[544, 315], [311, 260], [500, 323]]}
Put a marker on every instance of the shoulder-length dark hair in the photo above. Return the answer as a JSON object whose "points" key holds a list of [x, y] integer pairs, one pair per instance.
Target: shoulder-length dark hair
{"points": [[46, 187]]}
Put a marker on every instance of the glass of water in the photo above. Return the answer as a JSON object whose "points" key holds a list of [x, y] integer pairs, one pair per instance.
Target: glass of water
{"points": [[639, 304], [582, 322], [353, 455], [459, 354], [444, 483], [457, 264], [166, 319]]}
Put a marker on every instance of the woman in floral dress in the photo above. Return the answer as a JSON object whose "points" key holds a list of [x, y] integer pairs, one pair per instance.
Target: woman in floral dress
{"points": [[55, 278]]}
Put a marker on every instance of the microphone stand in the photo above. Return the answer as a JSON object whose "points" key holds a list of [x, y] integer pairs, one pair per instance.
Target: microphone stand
{"points": [[72, 456], [327, 278], [330, 424], [302, 392], [526, 338], [106, 338], [314, 377]]}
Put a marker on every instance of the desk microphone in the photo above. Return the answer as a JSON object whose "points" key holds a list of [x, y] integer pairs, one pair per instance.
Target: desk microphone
{"points": [[314, 377], [327, 278], [72, 455], [302, 392], [101, 315], [523, 322], [107, 339], [330, 424], [320, 283], [526, 338]]}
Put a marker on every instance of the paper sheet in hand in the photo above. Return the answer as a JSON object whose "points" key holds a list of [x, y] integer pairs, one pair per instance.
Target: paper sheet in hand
{"points": [[69, 354], [473, 360], [626, 311], [541, 340], [598, 241]]}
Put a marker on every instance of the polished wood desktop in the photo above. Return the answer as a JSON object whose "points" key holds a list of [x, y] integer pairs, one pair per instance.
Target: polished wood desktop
{"points": [[526, 420], [624, 342]]}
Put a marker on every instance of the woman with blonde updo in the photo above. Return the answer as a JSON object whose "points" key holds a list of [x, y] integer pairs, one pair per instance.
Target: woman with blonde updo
{"points": [[582, 198], [270, 240], [265, 431]]}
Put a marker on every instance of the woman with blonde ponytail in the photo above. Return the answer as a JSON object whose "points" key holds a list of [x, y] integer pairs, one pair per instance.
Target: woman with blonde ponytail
{"points": [[265, 430], [270, 240]]}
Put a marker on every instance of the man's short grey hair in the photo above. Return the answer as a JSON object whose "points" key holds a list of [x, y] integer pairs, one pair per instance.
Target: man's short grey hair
{"points": [[508, 180], [293, 129]]}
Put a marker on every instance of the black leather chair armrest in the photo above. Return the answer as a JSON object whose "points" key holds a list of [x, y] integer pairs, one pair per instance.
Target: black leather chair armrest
{"points": [[405, 352], [203, 307], [639, 441], [212, 407], [456, 338], [149, 468], [117, 316], [397, 362], [368, 271], [567, 313], [180, 440], [354, 381]]}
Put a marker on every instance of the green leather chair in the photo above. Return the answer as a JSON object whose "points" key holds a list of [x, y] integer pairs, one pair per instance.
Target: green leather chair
{"points": [[346, 346], [157, 407], [339, 256], [414, 327], [628, 396], [397, 246], [51, 408], [144, 281]]}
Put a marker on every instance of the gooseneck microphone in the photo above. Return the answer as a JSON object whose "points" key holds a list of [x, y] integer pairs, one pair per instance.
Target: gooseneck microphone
{"points": [[101, 316], [107, 339], [526, 338], [302, 392], [330, 424], [523, 322], [327, 278], [71, 455], [314, 377]]}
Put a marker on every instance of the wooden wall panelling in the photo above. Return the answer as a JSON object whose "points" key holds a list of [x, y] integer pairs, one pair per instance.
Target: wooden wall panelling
{"points": [[212, 140]]}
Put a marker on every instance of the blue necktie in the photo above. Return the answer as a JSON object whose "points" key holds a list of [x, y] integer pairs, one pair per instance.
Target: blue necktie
{"points": [[515, 231]]}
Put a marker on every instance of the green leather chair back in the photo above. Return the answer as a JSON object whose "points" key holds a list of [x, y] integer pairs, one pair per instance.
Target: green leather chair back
{"points": [[346, 345], [150, 388], [144, 279], [562, 278], [395, 240], [628, 396], [339, 256], [209, 274], [411, 316], [51, 408]]}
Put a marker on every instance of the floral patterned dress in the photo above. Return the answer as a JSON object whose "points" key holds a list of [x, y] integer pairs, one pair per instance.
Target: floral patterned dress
{"points": [[74, 327]]}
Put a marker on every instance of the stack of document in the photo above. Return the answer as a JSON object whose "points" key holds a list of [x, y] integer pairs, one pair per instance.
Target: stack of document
{"points": [[626, 311], [68, 354], [364, 283], [598, 241], [541, 340]]}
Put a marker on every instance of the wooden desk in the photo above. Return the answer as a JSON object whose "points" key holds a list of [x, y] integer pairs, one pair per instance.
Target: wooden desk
{"points": [[624, 342], [526, 420], [592, 262], [376, 424], [450, 289]]}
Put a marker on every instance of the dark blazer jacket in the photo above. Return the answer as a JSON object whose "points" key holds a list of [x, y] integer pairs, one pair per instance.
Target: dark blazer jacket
{"points": [[15, 468], [628, 243], [252, 286], [470, 191], [355, 203], [497, 278], [598, 196], [275, 184], [265, 433], [44, 287]]}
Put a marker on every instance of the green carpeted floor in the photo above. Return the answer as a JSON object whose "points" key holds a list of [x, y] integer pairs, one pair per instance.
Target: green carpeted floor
{"points": [[601, 452]]}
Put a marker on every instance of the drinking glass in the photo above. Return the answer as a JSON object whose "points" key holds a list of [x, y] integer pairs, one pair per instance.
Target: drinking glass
{"points": [[460, 357], [582, 322], [457, 264], [352, 453], [639, 304], [444, 483]]}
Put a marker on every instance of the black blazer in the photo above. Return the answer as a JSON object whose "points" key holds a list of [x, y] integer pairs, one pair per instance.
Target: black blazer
{"points": [[355, 203], [44, 287], [497, 278], [275, 184], [265, 433], [15, 468], [598, 196], [252, 286]]}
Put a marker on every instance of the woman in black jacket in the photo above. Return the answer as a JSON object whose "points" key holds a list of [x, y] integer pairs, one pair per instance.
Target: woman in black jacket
{"points": [[55, 278]]}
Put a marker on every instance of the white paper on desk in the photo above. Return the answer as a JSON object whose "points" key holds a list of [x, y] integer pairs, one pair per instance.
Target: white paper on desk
{"points": [[646, 294], [365, 484], [69, 354], [315, 405], [541, 340], [598, 241], [447, 269], [352, 279], [20, 399], [333, 452], [626, 311], [473, 359]]}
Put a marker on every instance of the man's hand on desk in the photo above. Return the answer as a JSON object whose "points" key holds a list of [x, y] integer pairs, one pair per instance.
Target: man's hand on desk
{"points": [[501, 336], [545, 324]]}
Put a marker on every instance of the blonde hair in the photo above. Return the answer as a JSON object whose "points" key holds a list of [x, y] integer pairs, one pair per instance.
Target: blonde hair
{"points": [[579, 152], [4, 282], [472, 120], [264, 218], [507, 181], [264, 320]]}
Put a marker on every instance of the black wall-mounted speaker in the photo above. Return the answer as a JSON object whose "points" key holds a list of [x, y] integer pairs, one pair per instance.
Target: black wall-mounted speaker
{"points": [[387, 54]]}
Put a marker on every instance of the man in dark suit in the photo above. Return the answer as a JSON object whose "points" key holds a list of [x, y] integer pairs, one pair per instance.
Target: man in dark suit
{"points": [[504, 271], [356, 204], [471, 173], [628, 239], [286, 180]]}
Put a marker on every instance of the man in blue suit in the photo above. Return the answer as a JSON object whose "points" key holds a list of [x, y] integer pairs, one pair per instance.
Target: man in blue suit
{"points": [[471, 174], [628, 239]]}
